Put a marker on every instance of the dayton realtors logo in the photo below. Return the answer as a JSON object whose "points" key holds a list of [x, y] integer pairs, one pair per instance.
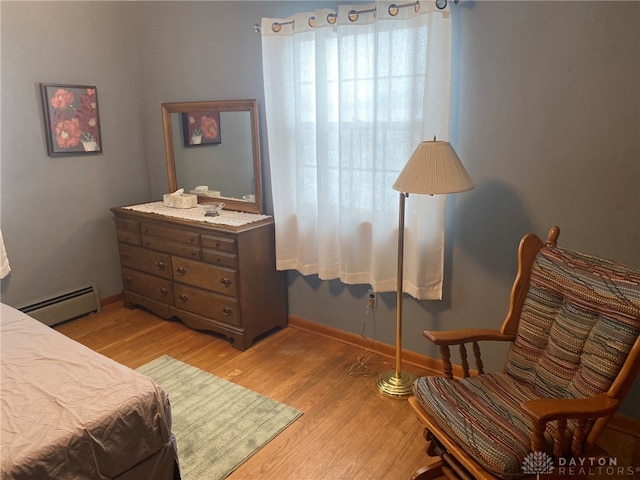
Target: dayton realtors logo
{"points": [[539, 463]]}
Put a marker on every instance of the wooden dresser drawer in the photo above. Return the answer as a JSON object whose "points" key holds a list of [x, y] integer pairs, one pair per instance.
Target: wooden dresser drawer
{"points": [[181, 235], [222, 244], [128, 231], [211, 305], [219, 258], [129, 237], [182, 249], [139, 258], [156, 288], [217, 279], [127, 225]]}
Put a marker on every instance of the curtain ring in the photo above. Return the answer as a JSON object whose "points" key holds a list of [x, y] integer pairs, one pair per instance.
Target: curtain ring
{"points": [[277, 26], [353, 15], [441, 4], [312, 21], [331, 18], [394, 9]]}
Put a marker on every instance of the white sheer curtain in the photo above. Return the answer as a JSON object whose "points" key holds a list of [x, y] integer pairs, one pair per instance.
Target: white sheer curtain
{"points": [[347, 101]]}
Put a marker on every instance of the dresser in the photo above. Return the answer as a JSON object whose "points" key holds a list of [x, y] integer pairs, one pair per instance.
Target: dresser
{"points": [[218, 277]]}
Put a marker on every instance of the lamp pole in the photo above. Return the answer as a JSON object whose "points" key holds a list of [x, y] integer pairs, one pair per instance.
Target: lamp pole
{"points": [[396, 383]]}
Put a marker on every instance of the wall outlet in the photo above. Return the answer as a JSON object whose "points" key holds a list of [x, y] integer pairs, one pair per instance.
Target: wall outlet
{"points": [[372, 299]]}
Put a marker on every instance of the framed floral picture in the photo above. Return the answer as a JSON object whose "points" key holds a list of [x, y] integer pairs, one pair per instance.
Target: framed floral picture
{"points": [[71, 120], [201, 128]]}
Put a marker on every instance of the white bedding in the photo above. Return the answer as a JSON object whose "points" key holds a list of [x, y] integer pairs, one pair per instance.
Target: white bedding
{"points": [[69, 412]]}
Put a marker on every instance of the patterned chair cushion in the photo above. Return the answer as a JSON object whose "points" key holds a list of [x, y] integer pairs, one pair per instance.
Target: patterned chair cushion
{"points": [[579, 321], [484, 414]]}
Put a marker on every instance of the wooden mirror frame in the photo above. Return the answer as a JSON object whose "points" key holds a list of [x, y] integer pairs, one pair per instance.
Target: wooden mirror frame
{"points": [[250, 106]]}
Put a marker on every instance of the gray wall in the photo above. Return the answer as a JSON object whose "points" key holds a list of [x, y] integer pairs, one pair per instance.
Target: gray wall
{"points": [[55, 214], [546, 117]]}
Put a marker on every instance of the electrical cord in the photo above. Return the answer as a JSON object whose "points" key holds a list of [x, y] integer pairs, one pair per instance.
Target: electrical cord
{"points": [[360, 368]]}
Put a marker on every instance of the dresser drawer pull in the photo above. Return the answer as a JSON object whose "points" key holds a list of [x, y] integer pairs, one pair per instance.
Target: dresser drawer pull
{"points": [[163, 291], [181, 270], [128, 280], [182, 298], [160, 265], [125, 255], [226, 282], [226, 311]]}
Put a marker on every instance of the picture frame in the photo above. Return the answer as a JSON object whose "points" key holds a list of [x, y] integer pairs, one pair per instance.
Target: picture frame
{"points": [[71, 119], [201, 129]]}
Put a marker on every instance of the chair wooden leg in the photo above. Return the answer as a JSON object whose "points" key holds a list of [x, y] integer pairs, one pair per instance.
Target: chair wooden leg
{"points": [[430, 472], [434, 469], [442, 466]]}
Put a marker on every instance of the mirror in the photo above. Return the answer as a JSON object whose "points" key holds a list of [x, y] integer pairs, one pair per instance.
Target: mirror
{"points": [[213, 150]]}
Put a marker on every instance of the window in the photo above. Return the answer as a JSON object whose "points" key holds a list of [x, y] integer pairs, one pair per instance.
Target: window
{"points": [[346, 104]]}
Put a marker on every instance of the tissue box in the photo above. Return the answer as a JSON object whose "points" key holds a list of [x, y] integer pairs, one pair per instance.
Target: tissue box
{"points": [[180, 200], [206, 193]]}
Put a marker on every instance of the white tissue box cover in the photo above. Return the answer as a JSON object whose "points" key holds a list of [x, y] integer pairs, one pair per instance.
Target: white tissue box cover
{"points": [[180, 200], [206, 193]]}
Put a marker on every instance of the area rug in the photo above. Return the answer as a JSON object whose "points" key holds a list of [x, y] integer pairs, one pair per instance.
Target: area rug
{"points": [[218, 424]]}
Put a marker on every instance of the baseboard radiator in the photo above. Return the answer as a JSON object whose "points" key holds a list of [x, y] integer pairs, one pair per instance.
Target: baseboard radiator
{"points": [[65, 306]]}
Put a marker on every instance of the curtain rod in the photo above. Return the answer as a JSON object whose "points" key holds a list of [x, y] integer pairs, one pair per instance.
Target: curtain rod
{"points": [[353, 14]]}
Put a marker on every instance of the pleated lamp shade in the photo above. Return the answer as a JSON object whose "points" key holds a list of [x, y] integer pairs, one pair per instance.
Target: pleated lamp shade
{"points": [[434, 168]]}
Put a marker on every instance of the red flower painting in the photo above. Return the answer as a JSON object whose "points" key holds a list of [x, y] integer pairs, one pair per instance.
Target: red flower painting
{"points": [[72, 119], [201, 128]]}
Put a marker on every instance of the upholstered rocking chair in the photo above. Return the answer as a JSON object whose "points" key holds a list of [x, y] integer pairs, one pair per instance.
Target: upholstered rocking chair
{"points": [[574, 324]]}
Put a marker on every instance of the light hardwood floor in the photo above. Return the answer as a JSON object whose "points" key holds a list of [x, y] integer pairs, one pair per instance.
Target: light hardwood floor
{"points": [[347, 431]]}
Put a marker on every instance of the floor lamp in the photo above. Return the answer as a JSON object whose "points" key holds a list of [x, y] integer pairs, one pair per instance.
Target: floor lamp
{"points": [[434, 168]]}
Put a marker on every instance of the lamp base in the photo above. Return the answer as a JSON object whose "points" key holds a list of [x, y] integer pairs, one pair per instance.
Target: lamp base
{"points": [[395, 385]]}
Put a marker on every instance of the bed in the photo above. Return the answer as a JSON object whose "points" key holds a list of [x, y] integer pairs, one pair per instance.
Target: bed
{"points": [[69, 412]]}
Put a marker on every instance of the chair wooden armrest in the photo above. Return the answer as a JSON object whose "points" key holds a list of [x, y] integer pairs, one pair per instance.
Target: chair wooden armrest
{"points": [[459, 337], [466, 335], [562, 409]]}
